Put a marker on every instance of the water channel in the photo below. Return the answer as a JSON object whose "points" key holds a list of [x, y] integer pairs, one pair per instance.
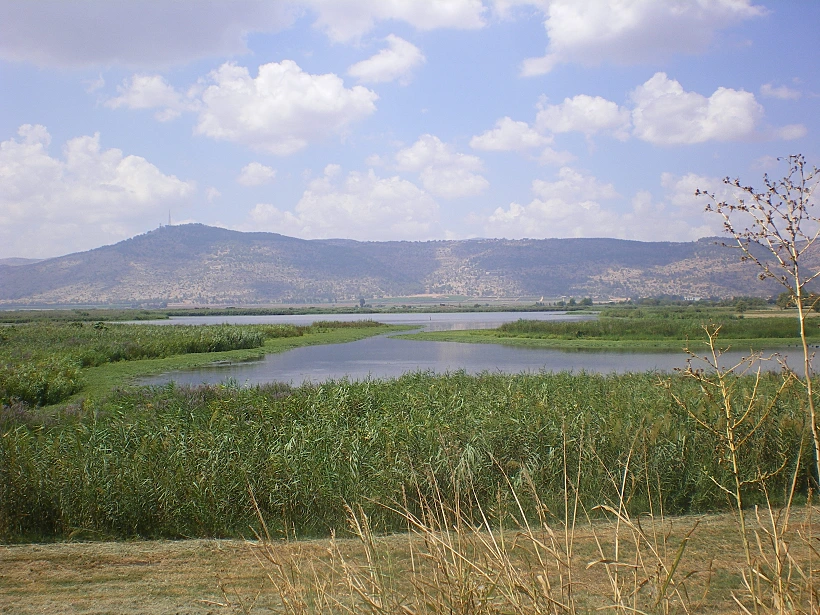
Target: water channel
{"points": [[387, 356]]}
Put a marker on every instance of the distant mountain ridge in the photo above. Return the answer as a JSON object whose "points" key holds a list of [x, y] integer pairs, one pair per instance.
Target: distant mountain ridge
{"points": [[15, 262], [201, 264]]}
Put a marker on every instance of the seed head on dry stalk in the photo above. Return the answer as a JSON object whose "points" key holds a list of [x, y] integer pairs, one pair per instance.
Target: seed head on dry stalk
{"points": [[776, 229]]}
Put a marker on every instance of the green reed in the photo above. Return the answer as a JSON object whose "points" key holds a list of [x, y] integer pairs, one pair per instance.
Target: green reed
{"points": [[178, 461], [41, 363], [658, 328]]}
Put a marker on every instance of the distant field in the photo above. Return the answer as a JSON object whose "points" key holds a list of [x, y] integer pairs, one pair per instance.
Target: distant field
{"points": [[432, 306], [640, 329]]}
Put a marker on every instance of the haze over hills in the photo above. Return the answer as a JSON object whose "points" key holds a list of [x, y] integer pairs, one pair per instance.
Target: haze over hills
{"points": [[201, 264], [19, 261]]}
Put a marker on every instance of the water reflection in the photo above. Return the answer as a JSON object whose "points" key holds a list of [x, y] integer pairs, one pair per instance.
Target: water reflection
{"points": [[430, 322], [388, 357]]}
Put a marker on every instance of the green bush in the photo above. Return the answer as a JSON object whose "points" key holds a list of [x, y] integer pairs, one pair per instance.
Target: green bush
{"points": [[43, 382], [40, 363]]}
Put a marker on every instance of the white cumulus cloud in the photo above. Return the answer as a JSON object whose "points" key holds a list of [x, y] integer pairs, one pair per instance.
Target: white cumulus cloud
{"points": [[282, 109], [345, 20], [509, 135], [577, 204], [151, 92], [90, 196], [396, 62], [443, 171], [567, 207], [586, 114], [628, 32], [665, 114], [256, 174], [661, 112], [359, 206], [782, 92]]}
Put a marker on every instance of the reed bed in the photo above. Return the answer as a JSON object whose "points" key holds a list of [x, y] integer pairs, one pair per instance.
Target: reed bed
{"points": [[657, 328], [178, 461], [43, 363]]}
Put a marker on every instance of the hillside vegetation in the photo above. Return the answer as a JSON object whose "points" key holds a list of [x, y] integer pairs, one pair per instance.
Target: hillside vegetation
{"points": [[200, 264]]}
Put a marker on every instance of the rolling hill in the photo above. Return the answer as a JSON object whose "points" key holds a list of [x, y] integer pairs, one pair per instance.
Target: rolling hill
{"points": [[200, 264]]}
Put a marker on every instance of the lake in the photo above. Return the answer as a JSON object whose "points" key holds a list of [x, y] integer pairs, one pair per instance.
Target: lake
{"points": [[386, 356]]}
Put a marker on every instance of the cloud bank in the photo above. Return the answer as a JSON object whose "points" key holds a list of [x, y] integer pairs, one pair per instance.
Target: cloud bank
{"points": [[88, 197], [358, 206]]}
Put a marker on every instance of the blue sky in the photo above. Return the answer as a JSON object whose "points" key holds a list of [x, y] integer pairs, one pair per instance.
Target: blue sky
{"points": [[394, 119]]}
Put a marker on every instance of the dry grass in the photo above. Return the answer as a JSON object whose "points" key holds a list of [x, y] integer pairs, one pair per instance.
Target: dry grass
{"points": [[125, 577], [206, 576]]}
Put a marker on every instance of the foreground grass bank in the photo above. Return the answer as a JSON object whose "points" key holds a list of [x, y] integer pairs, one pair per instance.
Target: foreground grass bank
{"points": [[203, 577], [178, 462]]}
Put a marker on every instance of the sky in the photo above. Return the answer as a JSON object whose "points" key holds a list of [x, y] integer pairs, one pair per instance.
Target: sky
{"points": [[384, 120]]}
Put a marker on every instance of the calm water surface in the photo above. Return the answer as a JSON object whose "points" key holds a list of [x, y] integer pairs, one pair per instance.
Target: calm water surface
{"points": [[386, 356], [430, 322]]}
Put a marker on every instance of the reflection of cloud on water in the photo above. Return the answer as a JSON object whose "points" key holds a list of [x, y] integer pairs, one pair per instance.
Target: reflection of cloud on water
{"points": [[452, 355], [385, 357]]}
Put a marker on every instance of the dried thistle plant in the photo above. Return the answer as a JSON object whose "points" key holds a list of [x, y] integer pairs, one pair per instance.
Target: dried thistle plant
{"points": [[781, 220]]}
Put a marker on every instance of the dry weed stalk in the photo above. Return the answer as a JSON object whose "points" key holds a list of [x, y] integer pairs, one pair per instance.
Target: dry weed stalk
{"points": [[463, 562], [781, 221], [773, 579], [456, 562]]}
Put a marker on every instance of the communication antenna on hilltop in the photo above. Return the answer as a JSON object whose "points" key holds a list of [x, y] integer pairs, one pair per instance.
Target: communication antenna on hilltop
{"points": [[169, 217]]}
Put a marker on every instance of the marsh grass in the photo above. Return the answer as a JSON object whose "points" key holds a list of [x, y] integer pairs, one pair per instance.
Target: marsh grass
{"points": [[626, 329], [42, 363], [46, 363], [690, 328], [176, 461]]}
